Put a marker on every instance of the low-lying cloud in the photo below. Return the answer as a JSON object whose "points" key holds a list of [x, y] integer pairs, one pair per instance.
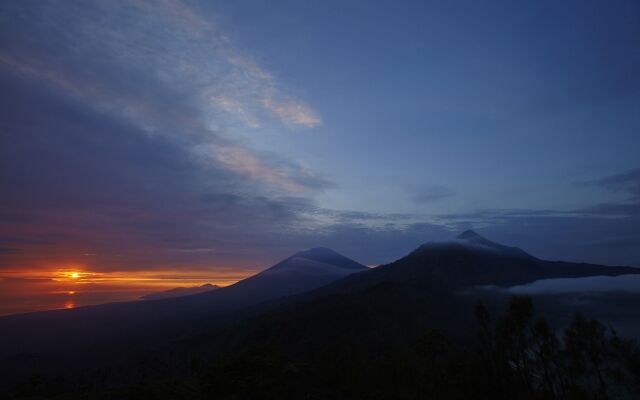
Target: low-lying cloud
{"points": [[593, 284]]}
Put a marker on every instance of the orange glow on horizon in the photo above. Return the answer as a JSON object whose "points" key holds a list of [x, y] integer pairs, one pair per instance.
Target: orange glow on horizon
{"points": [[73, 286], [222, 276]]}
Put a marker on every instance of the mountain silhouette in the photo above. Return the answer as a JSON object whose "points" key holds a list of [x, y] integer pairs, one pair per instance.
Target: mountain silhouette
{"points": [[312, 299], [87, 330], [301, 272], [180, 291], [391, 305], [472, 237], [472, 260]]}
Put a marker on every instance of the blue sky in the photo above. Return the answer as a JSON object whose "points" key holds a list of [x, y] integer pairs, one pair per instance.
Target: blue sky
{"points": [[214, 135]]}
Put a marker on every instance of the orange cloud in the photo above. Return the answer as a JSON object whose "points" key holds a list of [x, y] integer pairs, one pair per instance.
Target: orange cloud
{"points": [[242, 161], [293, 113]]}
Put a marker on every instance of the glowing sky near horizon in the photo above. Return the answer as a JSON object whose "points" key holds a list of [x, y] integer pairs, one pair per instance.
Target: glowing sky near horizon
{"points": [[28, 291], [210, 139]]}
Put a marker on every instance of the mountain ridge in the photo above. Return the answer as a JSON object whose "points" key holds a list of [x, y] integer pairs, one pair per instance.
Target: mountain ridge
{"points": [[92, 327], [180, 292], [301, 295], [430, 288], [458, 263]]}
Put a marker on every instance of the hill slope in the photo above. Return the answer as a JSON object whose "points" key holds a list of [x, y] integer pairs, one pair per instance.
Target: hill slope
{"points": [[139, 323], [424, 289]]}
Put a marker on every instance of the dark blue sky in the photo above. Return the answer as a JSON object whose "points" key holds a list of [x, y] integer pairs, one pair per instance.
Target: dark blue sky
{"points": [[225, 135]]}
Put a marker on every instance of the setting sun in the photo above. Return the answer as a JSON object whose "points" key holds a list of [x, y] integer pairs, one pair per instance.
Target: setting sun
{"points": [[74, 275]]}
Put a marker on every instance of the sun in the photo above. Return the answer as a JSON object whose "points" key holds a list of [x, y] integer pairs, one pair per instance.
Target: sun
{"points": [[74, 275]]}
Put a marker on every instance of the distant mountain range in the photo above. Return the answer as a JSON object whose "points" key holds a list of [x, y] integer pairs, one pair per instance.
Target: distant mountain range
{"points": [[311, 292], [180, 292], [299, 273], [427, 288], [471, 259], [60, 331]]}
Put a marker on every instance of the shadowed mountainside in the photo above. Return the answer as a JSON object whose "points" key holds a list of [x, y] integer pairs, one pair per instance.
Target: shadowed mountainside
{"points": [[306, 305], [467, 261], [137, 323], [430, 287], [179, 292]]}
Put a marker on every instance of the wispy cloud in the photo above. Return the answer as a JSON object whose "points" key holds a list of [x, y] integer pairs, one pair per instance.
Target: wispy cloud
{"points": [[292, 113], [624, 182], [162, 66], [288, 177]]}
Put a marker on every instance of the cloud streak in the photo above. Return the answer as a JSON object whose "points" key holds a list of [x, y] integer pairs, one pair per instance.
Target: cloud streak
{"points": [[625, 182], [162, 67]]}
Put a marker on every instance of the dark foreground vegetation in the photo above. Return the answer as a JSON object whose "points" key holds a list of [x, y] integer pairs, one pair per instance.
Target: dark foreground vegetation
{"points": [[515, 355]]}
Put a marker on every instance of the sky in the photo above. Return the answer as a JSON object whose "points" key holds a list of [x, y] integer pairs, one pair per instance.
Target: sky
{"points": [[149, 144]]}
